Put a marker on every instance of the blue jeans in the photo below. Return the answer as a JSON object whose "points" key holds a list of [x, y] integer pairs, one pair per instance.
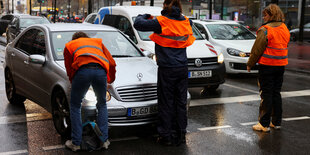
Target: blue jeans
{"points": [[83, 78]]}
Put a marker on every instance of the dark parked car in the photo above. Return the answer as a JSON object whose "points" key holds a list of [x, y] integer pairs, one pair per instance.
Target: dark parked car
{"points": [[295, 33], [4, 22], [20, 22]]}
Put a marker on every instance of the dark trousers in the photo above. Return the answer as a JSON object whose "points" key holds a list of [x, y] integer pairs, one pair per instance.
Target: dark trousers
{"points": [[172, 96], [270, 80]]}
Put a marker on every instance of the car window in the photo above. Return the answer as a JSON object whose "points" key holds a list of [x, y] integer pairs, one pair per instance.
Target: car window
{"points": [[25, 42], [307, 25], [201, 29], [25, 22], [38, 46], [125, 26], [7, 17], [117, 44], [91, 19], [229, 32]]}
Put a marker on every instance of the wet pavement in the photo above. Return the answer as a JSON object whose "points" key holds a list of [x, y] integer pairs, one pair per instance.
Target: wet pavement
{"points": [[218, 122]]}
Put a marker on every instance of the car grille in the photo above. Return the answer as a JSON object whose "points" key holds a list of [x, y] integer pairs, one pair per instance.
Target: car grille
{"points": [[137, 93], [205, 61]]}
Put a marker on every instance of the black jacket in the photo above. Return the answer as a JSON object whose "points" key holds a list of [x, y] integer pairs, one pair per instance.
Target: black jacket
{"points": [[166, 56]]}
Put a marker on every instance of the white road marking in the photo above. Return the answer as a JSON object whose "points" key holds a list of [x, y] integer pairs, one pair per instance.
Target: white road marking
{"points": [[244, 89], [55, 147], [296, 118], [214, 127], [14, 152], [249, 123], [284, 119], [245, 98]]}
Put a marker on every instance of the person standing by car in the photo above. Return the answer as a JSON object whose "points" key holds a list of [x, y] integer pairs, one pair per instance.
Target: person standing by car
{"points": [[270, 52], [88, 62], [172, 34]]}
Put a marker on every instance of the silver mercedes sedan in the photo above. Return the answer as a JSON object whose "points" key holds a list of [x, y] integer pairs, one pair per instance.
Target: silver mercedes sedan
{"points": [[34, 70]]}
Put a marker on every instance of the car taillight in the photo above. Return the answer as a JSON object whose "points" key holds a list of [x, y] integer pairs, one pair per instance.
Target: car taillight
{"points": [[142, 49]]}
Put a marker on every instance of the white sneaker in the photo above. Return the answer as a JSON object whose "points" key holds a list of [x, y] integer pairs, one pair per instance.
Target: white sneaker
{"points": [[275, 126], [106, 144], [71, 146], [259, 127]]}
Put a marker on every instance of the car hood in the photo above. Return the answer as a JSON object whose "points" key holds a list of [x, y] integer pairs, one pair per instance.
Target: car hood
{"points": [[197, 49], [242, 45], [128, 69]]}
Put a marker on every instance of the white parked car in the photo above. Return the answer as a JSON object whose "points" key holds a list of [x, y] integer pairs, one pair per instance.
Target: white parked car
{"points": [[205, 63], [34, 69], [234, 40]]}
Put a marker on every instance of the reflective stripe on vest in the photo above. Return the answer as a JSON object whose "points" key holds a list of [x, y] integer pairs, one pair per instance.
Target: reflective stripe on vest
{"points": [[277, 48], [89, 54], [274, 57], [177, 38]]}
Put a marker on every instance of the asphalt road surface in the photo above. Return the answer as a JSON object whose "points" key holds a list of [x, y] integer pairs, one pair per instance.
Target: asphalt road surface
{"points": [[218, 123]]}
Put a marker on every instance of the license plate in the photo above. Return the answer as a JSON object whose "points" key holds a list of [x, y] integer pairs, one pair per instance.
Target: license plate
{"points": [[142, 111], [199, 74]]}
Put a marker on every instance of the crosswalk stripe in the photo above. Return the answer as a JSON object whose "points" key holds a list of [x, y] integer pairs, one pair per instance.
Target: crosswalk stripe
{"points": [[245, 98], [296, 118], [55, 147], [14, 152], [244, 89]]}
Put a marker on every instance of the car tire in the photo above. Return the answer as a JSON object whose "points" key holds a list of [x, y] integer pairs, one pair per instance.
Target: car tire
{"points": [[61, 113], [11, 90]]}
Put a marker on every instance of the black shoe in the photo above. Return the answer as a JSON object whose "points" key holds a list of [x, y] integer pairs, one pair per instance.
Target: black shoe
{"points": [[180, 139], [166, 141]]}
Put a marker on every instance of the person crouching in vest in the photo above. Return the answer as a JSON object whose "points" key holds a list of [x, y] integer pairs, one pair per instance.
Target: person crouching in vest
{"points": [[270, 52], [88, 62], [172, 34]]}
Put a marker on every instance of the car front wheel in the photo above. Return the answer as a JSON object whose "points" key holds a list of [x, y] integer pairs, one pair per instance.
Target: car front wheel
{"points": [[11, 91], [61, 113]]}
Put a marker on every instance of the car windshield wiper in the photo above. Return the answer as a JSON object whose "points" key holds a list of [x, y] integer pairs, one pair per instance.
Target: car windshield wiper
{"points": [[121, 56]]}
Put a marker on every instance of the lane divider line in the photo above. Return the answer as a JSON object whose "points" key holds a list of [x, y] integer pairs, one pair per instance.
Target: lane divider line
{"points": [[14, 152], [245, 98], [249, 123], [214, 127]]}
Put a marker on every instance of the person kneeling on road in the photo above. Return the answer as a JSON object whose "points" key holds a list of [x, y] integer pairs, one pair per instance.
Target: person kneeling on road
{"points": [[88, 62]]}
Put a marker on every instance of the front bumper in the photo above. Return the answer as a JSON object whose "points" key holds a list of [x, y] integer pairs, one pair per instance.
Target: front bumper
{"points": [[218, 74], [236, 65], [118, 112]]}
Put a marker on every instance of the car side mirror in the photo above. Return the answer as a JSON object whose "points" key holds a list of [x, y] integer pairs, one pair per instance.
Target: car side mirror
{"points": [[37, 59], [147, 54], [203, 35]]}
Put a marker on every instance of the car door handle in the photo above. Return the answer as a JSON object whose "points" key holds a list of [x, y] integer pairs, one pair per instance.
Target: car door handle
{"points": [[26, 62], [13, 54]]}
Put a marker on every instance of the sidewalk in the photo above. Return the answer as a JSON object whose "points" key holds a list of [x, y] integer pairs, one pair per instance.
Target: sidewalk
{"points": [[299, 57]]}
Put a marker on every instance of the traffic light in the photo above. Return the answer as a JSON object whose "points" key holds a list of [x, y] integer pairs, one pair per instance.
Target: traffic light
{"points": [[41, 1]]}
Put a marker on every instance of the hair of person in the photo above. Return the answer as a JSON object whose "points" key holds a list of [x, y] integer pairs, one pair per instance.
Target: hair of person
{"points": [[274, 12], [169, 3], [78, 35]]}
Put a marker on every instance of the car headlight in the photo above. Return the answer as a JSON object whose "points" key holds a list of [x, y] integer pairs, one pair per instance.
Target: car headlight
{"points": [[91, 96], [220, 58], [235, 52]]}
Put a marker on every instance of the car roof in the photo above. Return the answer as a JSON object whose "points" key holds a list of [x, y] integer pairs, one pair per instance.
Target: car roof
{"points": [[207, 21], [136, 10], [76, 27]]}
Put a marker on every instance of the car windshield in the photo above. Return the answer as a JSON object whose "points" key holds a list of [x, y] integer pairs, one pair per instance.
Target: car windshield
{"points": [[117, 44], [145, 35], [229, 32], [25, 22]]}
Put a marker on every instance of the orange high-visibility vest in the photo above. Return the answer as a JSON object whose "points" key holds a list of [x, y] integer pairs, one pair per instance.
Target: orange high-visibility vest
{"points": [[174, 33], [276, 51], [88, 47]]}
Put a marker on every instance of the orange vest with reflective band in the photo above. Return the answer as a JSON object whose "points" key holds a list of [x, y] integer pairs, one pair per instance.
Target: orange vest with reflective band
{"points": [[88, 47], [174, 33], [276, 51]]}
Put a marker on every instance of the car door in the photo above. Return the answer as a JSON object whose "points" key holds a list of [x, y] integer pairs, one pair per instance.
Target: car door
{"points": [[38, 74], [19, 61]]}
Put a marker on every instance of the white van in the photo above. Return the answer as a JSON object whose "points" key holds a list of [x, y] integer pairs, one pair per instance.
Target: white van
{"points": [[205, 64]]}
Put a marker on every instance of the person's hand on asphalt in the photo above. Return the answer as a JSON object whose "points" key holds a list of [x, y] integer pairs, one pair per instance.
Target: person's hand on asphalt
{"points": [[248, 68]]}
